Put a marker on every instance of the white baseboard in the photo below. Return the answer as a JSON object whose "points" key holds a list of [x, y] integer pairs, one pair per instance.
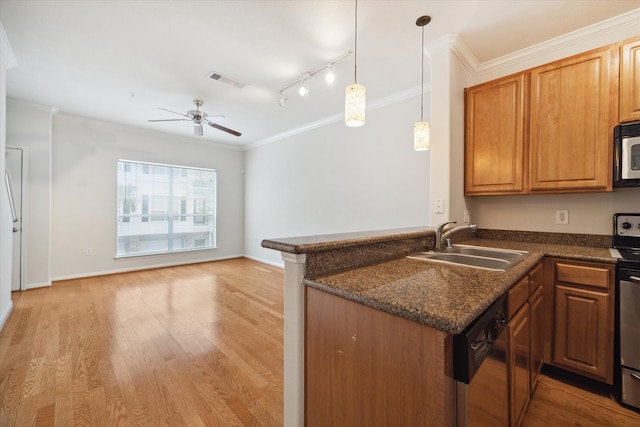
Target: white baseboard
{"points": [[264, 261], [37, 285], [139, 268], [5, 315]]}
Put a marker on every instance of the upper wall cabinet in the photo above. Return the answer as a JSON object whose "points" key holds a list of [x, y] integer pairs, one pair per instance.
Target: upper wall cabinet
{"points": [[494, 136], [545, 130], [630, 80], [573, 112]]}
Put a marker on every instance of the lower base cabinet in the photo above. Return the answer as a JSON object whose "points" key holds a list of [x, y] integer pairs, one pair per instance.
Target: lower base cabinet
{"points": [[584, 318], [525, 341], [536, 323], [518, 364], [365, 367]]}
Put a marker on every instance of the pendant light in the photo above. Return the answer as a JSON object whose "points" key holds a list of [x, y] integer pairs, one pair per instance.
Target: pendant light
{"points": [[354, 102], [421, 132]]}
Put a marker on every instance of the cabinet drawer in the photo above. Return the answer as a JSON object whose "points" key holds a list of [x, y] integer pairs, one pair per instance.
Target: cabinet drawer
{"points": [[518, 295], [583, 275]]}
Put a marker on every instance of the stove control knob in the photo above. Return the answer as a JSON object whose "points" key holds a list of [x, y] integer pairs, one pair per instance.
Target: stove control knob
{"points": [[626, 225]]}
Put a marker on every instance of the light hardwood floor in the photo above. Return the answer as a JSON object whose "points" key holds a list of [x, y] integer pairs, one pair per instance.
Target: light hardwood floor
{"points": [[197, 345]]}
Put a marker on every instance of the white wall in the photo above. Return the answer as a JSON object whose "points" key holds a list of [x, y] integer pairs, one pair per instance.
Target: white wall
{"points": [[29, 127], [6, 235], [337, 179], [85, 153]]}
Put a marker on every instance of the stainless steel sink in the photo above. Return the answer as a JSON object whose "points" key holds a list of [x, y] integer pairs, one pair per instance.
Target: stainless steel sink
{"points": [[474, 256], [506, 254]]}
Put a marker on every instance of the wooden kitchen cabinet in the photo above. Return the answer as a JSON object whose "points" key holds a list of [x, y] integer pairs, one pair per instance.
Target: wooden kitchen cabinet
{"points": [[494, 136], [584, 318], [573, 112], [546, 130], [630, 80], [536, 336], [524, 341], [370, 368], [518, 365]]}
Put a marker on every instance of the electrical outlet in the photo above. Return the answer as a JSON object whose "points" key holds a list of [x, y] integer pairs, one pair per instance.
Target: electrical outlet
{"points": [[562, 216], [467, 216], [88, 251], [439, 206]]}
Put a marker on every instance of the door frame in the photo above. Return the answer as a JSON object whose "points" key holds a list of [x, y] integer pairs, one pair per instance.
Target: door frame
{"points": [[23, 215]]}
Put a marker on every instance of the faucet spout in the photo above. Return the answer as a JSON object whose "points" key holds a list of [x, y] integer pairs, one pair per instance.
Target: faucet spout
{"points": [[442, 237], [439, 228]]}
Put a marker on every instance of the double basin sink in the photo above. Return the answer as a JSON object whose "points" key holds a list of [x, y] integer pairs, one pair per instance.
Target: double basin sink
{"points": [[474, 256]]}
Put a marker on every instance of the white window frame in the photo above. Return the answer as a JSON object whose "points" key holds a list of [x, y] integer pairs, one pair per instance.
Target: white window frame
{"points": [[147, 221]]}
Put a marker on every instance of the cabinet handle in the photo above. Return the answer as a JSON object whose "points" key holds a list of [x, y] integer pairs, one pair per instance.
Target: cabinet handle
{"points": [[634, 279], [635, 376]]}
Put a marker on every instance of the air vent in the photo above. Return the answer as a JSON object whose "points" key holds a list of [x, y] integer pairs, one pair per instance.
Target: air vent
{"points": [[227, 80]]}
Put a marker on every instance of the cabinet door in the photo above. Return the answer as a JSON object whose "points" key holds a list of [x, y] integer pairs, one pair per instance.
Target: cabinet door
{"points": [[519, 388], [630, 80], [494, 135], [583, 332], [365, 367], [536, 328], [573, 112]]}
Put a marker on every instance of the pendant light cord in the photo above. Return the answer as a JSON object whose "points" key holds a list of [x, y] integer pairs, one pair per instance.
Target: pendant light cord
{"points": [[422, 77], [355, 48]]}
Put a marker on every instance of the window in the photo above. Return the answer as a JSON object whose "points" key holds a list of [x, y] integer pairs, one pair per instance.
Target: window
{"points": [[163, 208]]}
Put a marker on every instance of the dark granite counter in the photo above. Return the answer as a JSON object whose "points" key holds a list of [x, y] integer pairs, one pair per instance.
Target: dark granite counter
{"points": [[442, 296], [446, 297]]}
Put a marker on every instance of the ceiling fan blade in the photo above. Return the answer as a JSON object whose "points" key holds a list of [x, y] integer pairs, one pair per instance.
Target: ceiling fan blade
{"points": [[174, 112], [224, 129], [170, 120], [197, 130]]}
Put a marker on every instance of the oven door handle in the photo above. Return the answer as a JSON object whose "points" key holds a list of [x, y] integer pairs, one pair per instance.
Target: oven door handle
{"points": [[634, 279], [635, 376]]}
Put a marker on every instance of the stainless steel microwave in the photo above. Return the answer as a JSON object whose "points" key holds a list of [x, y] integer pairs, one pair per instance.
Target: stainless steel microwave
{"points": [[626, 156]]}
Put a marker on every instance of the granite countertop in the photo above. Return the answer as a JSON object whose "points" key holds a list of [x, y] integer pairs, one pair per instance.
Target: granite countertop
{"points": [[443, 296], [326, 242]]}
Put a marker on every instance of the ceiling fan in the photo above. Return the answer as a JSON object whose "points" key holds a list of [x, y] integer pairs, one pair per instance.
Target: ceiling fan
{"points": [[198, 118]]}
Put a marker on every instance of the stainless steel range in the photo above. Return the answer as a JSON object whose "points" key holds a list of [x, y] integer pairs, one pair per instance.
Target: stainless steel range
{"points": [[626, 239]]}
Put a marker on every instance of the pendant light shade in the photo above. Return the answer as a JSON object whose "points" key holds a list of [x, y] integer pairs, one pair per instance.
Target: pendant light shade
{"points": [[421, 134], [354, 105], [355, 95]]}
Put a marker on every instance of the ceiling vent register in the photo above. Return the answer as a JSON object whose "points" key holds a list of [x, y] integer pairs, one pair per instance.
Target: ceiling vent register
{"points": [[227, 80]]}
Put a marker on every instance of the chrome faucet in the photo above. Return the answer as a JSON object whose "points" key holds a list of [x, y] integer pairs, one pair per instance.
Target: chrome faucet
{"points": [[439, 228], [441, 237]]}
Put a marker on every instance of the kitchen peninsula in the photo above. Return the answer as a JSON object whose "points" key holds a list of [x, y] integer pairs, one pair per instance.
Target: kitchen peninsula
{"points": [[386, 322]]}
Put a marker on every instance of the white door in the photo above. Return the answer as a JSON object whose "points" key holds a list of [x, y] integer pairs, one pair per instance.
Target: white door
{"points": [[14, 182]]}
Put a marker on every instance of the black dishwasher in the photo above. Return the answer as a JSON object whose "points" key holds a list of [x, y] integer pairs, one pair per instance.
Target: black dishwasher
{"points": [[480, 370]]}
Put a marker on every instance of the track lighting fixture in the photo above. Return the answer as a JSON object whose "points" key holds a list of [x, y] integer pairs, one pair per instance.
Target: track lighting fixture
{"points": [[303, 90], [330, 77]]}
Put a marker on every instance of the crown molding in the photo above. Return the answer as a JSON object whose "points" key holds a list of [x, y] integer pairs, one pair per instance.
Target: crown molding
{"points": [[602, 33], [6, 53], [18, 103]]}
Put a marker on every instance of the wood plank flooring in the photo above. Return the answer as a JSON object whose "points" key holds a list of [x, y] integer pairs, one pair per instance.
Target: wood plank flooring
{"points": [[562, 401], [197, 345]]}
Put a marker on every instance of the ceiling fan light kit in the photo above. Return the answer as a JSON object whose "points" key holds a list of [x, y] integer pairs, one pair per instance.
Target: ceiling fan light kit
{"points": [[199, 117]]}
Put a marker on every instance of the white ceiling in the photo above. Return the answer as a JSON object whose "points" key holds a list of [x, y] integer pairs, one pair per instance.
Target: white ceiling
{"points": [[120, 60]]}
